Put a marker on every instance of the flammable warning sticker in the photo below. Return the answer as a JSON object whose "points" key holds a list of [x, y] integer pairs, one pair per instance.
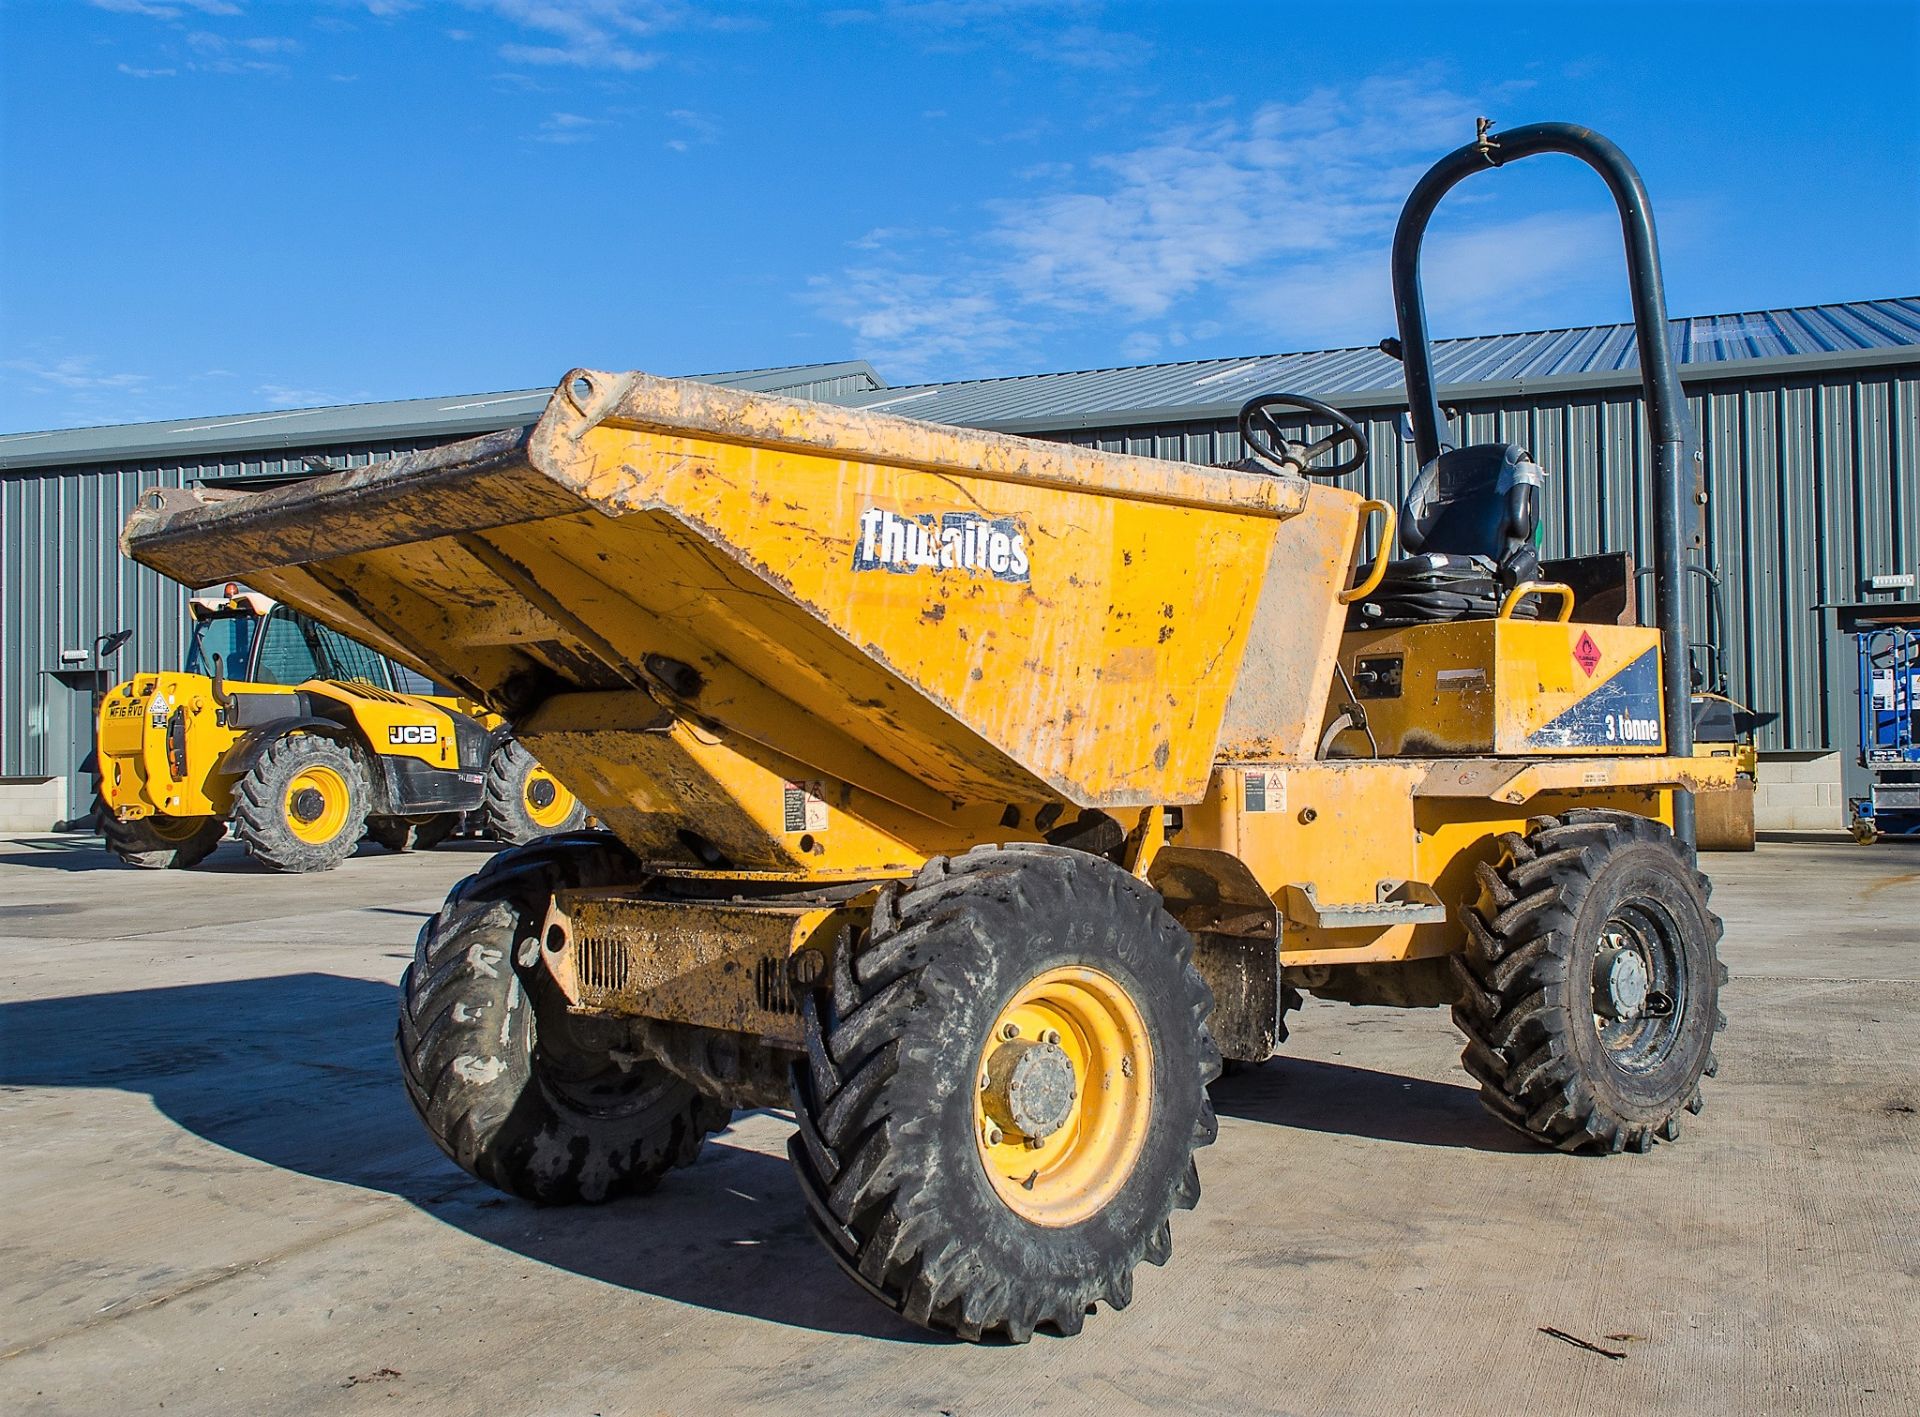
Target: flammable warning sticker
{"points": [[803, 807], [1264, 791], [1622, 712]]}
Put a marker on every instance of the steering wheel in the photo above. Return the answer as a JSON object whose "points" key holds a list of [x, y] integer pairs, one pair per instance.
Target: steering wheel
{"points": [[1261, 432]]}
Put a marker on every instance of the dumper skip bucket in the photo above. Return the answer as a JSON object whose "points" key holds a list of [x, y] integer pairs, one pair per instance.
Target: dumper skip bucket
{"points": [[703, 605]]}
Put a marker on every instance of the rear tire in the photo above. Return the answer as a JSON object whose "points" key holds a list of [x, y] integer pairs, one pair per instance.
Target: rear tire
{"points": [[1561, 1051], [507, 1086], [402, 834], [903, 1162], [160, 843], [302, 806], [524, 801]]}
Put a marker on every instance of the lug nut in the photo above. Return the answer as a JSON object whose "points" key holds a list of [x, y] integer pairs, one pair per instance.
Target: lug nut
{"points": [[994, 1137], [1053, 1035], [1011, 1030], [986, 1081]]}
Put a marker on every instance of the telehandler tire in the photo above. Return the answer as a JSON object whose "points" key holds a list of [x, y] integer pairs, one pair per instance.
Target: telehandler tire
{"points": [[404, 834], [302, 806], [524, 801], [510, 1088], [1004, 1088], [1591, 983], [158, 843]]}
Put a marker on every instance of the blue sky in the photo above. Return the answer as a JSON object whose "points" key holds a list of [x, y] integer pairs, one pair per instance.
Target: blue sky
{"points": [[213, 206]]}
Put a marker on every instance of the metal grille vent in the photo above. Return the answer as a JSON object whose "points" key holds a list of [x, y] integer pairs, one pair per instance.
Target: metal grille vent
{"points": [[770, 988], [603, 964]]}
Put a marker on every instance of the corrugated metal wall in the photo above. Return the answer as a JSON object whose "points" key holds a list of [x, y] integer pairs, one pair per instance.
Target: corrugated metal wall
{"points": [[1813, 485], [65, 582]]}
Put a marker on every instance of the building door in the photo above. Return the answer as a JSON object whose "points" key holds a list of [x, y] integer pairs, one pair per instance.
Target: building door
{"points": [[67, 699]]}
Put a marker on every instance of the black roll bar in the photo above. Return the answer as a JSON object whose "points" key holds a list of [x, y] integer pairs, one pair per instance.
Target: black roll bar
{"points": [[1659, 383]]}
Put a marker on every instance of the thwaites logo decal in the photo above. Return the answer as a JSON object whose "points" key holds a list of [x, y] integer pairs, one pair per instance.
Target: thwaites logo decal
{"points": [[412, 733], [950, 541], [1623, 712]]}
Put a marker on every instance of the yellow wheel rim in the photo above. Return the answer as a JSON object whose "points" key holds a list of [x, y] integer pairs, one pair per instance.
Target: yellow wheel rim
{"points": [[548, 804], [1083, 1147], [317, 804]]}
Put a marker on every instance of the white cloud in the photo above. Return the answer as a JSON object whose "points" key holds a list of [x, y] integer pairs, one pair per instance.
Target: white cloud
{"points": [[1270, 226], [567, 128], [166, 9], [695, 130], [286, 396], [588, 34]]}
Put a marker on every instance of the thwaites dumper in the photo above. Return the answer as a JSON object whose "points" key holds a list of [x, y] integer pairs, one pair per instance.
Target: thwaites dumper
{"points": [[301, 739], [975, 795]]}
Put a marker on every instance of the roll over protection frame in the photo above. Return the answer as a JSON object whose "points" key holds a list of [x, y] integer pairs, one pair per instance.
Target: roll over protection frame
{"points": [[1659, 383]]}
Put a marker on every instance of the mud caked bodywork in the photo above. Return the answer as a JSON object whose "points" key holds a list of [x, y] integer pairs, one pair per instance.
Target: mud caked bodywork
{"points": [[766, 637]]}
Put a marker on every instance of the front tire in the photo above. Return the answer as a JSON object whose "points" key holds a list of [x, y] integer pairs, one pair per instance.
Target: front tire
{"points": [[510, 1088], [302, 806], [160, 843], [1591, 983], [524, 801], [1003, 1092]]}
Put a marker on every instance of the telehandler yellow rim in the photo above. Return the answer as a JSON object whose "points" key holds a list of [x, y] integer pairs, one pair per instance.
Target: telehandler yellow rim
{"points": [[317, 804], [1069, 1060], [548, 804]]}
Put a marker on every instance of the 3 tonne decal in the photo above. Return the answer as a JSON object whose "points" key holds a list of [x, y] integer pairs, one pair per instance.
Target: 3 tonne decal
{"points": [[951, 541], [1624, 711]]}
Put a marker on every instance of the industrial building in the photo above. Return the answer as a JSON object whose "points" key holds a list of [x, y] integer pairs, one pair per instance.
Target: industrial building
{"points": [[1806, 422]]}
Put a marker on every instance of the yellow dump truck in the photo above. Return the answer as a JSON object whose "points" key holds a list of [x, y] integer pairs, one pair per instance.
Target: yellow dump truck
{"points": [[974, 795], [305, 742]]}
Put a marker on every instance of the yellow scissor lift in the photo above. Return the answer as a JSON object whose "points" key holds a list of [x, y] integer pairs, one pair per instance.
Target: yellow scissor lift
{"points": [[972, 795]]}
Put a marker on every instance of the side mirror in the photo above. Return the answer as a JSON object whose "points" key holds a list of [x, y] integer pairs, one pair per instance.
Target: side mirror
{"points": [[107, 646]]}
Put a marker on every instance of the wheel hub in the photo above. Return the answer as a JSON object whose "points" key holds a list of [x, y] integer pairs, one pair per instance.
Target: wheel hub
{"points": [[1620, 981], [1030, 1087], [306, 804], [540, 794]]}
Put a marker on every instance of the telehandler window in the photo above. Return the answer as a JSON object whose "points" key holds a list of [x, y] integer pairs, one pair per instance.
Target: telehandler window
{"points": [[294, 648], [229, 635]]}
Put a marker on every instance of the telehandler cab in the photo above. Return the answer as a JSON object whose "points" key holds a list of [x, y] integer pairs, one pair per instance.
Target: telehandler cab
{"points": [[305, 741], [973, 795]]}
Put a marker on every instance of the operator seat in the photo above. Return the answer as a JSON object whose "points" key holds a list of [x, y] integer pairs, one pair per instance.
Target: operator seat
{"points": [[1471, 522]]}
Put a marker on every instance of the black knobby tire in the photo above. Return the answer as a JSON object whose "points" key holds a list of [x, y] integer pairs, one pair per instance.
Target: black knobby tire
{"points": [[263, 817], [506, 1086], [173, 843], [886, 1153], [1561, 899], [505, 808], [411, 833]]}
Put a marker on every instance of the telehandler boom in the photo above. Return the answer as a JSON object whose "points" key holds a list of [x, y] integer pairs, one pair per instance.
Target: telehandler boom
{"points": [[973, 796]]}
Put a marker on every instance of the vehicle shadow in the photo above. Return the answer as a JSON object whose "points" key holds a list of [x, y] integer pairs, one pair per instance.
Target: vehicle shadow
{"points": [[1359, 1102], [230, 858], [298, 1071]]}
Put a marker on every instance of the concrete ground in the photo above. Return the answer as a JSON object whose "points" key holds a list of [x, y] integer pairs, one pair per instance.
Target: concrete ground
{"points": [[217, 1199]]}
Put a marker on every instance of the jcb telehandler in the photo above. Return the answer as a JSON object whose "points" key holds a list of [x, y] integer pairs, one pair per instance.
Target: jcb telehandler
{"points": [[297, 736], [973, 795]]}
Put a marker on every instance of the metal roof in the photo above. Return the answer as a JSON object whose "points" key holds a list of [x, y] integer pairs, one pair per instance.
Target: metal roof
{"points": [[450, 417], [1848, 335]]}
